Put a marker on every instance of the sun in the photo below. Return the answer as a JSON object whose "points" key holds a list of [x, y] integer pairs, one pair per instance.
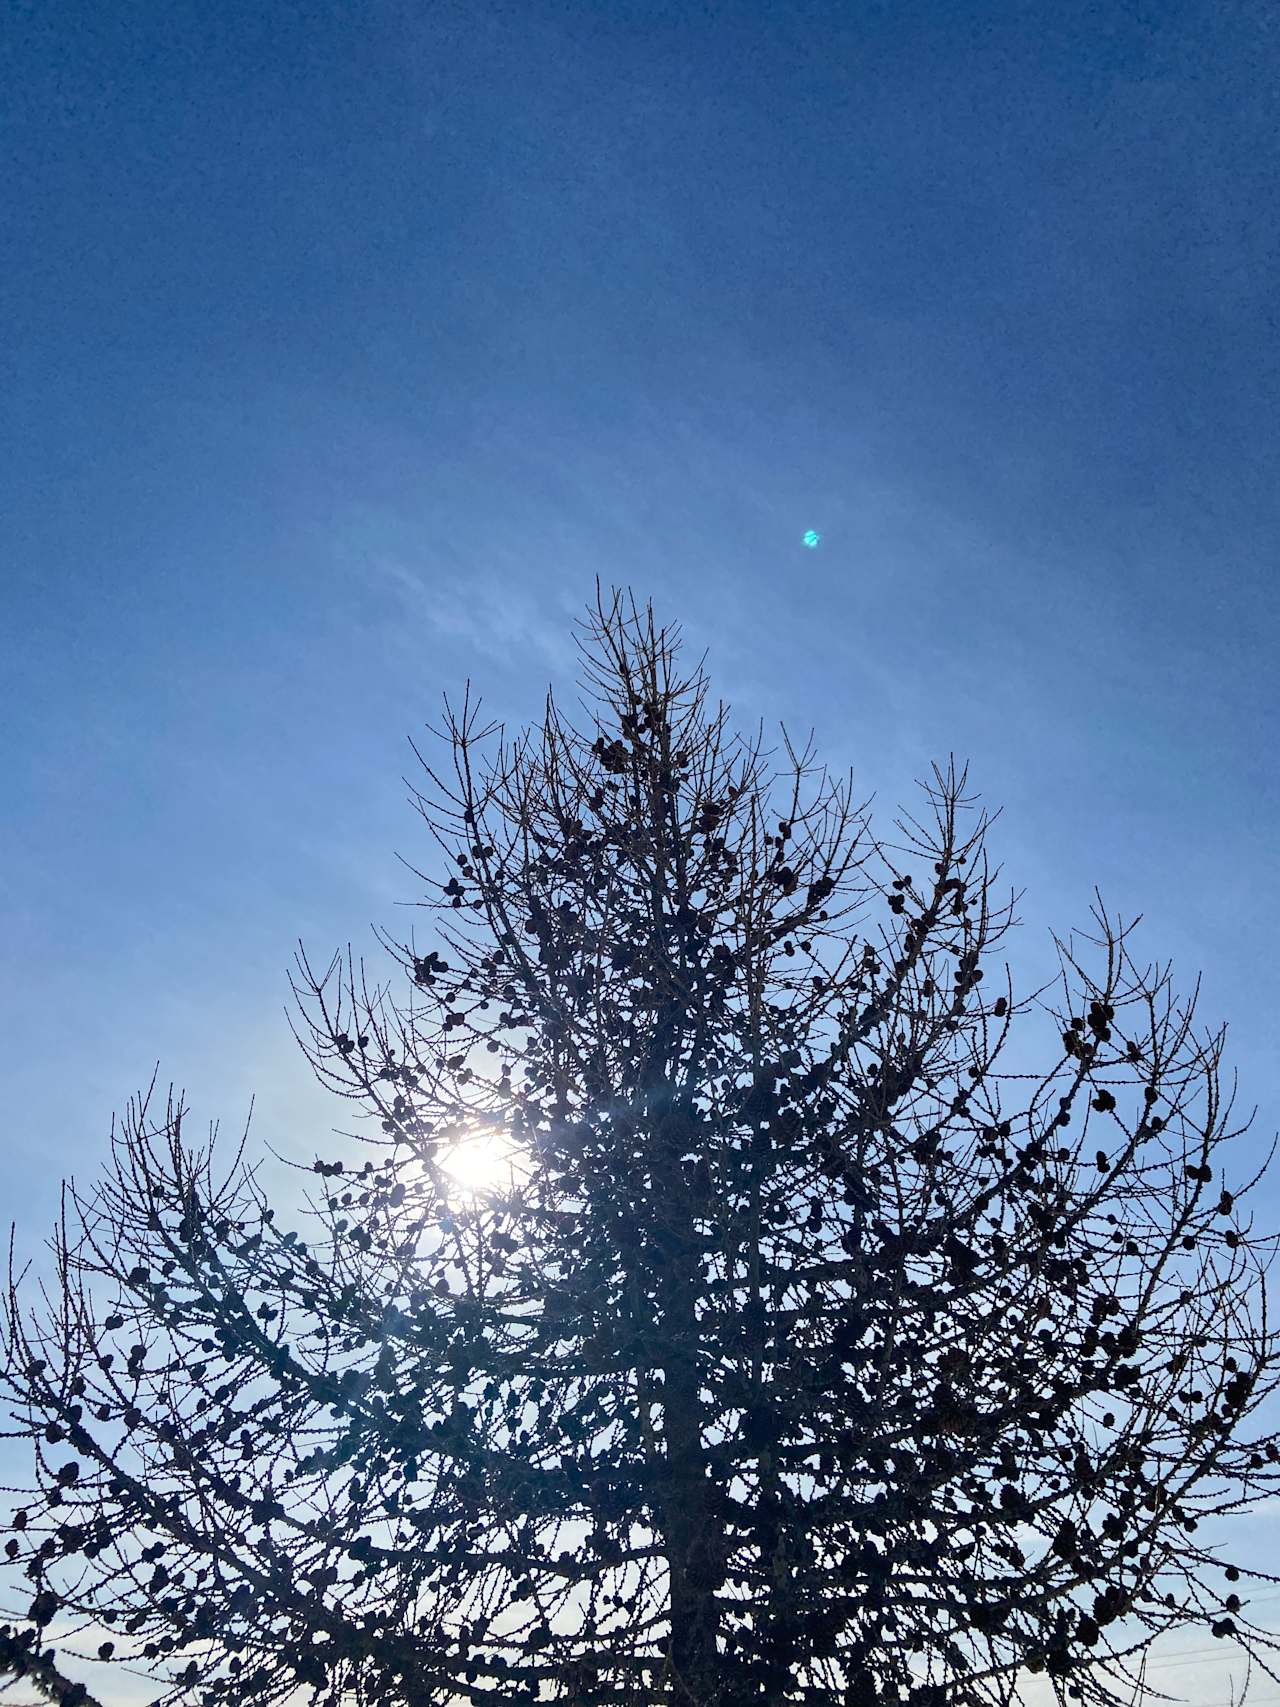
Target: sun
{"points": [[480, 1159]]}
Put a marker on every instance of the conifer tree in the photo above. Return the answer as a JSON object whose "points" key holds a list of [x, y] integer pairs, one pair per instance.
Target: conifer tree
{"points": [[795, 1350]]}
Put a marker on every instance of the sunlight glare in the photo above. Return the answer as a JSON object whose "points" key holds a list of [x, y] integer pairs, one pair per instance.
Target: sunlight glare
{"points": [[480, 1159]]}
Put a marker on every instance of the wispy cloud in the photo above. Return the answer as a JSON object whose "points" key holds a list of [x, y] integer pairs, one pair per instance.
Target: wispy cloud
{"points": [[495, 615]]}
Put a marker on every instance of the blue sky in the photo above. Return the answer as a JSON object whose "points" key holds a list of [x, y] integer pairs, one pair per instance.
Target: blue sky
{"points": [[345, 345]]}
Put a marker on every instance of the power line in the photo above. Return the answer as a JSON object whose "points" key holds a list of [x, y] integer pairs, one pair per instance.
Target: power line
{"points": [[1186, 1659], [1249, 1701]]}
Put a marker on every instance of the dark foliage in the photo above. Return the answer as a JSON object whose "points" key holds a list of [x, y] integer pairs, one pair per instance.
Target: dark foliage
{"points": [[788, 1362], [25, 1662]]}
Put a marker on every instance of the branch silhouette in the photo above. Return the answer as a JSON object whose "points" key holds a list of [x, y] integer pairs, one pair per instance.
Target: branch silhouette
{"points": [[803, 1350]]}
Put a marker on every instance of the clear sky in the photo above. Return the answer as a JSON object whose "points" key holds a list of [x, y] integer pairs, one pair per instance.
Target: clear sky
{"points": [[343, 345]]}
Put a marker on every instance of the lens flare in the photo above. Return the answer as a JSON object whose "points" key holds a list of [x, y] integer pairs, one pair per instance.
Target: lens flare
{"points": [[811, 539]]}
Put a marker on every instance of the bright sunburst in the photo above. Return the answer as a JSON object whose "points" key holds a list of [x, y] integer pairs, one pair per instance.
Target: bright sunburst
{"points": [[480, 1159]]}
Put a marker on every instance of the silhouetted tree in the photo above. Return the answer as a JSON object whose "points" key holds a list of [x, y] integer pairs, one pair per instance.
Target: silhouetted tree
{"points": [[785, 1362], [23, 1661]]}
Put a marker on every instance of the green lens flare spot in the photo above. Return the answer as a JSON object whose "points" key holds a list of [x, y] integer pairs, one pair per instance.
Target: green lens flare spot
{"points": [[811, 539]]}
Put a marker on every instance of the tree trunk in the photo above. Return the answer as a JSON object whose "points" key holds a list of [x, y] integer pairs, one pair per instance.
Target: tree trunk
{"points": [[691, 1526]]}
